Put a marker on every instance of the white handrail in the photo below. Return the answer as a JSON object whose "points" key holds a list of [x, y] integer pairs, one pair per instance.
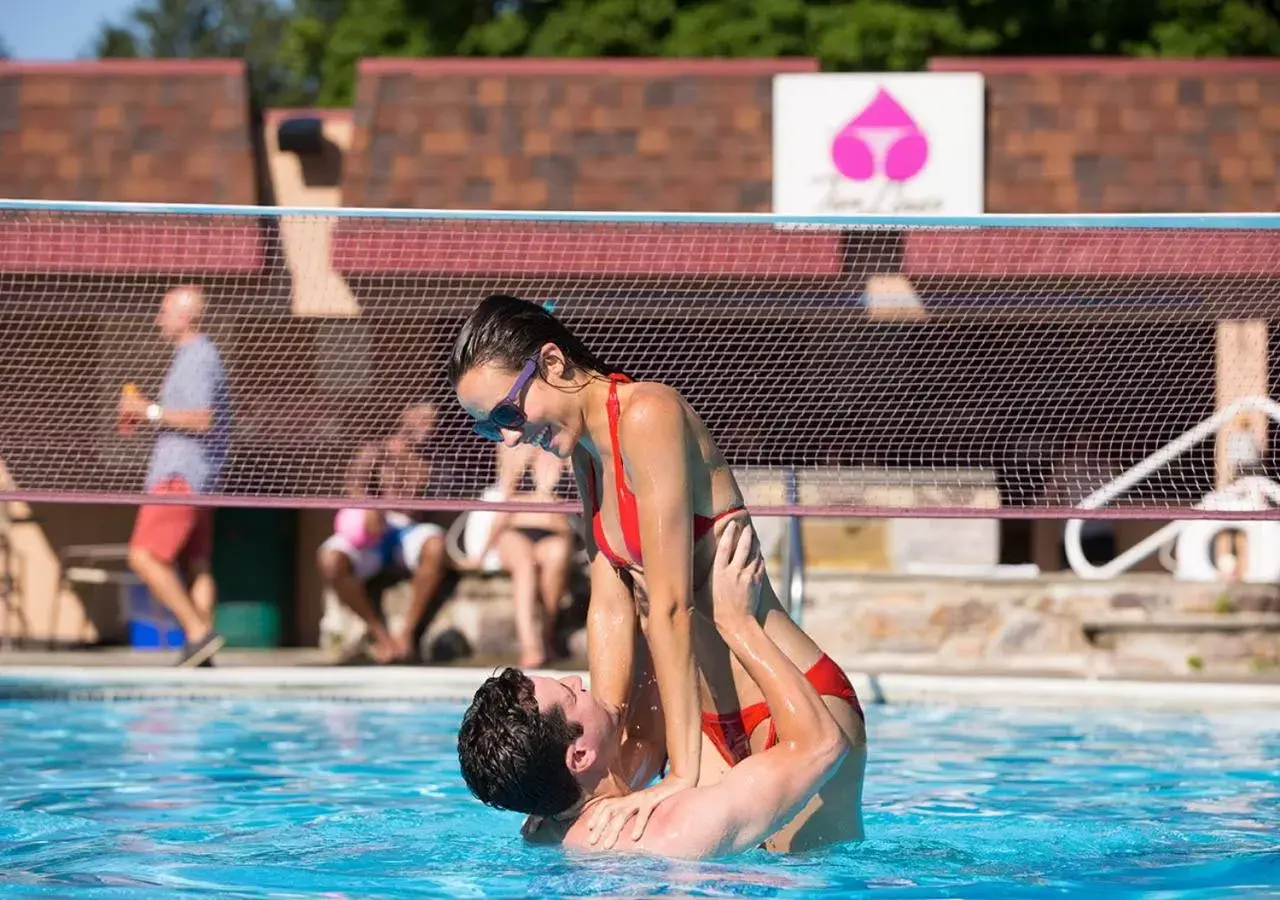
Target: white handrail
{"points": [[1166, 454], [1131, 557]]}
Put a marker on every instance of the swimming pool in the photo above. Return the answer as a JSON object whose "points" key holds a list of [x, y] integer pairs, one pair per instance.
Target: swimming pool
{"points": [[254, 798]]}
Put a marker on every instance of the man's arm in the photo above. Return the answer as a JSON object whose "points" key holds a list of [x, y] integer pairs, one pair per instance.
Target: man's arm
{"points": [[194, 420], [765, 791], [138, 408], [203, 379]]}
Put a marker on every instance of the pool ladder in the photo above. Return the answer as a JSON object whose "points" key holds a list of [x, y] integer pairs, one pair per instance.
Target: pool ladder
{"points": [[1074, 529]]}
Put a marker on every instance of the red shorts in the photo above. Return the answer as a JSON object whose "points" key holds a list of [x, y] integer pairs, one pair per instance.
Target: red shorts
{"points": [[170, 533]]}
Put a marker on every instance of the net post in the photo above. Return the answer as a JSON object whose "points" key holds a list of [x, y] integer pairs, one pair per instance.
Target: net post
{"points": [[792, 551], [1242, 372], [6, 577]]}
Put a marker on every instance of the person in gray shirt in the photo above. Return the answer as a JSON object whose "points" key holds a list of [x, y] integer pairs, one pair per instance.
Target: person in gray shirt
{"points": [[191, 422]]}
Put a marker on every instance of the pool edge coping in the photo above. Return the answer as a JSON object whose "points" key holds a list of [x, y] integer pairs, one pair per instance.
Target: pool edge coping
{"points": [[457, 684]]}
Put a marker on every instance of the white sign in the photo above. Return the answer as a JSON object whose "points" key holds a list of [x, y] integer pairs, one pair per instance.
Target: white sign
{"points": [[888, 144]]}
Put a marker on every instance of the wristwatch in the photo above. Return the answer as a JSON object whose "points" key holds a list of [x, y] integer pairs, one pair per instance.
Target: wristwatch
{"points": [[154, 412]]}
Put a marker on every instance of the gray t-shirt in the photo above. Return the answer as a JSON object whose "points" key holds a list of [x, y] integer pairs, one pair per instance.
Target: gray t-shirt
{"points": [[196, 380]]}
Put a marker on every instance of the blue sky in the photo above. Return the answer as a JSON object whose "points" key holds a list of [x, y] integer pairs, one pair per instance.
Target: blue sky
{"points": [[55, 29]]}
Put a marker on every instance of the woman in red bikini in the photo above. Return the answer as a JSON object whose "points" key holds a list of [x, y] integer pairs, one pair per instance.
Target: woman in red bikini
{"points": [[652, 480]]}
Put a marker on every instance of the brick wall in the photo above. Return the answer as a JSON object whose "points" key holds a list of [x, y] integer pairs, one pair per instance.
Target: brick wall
{"points": [[1093, 135], [135, 130], [565, 134]]}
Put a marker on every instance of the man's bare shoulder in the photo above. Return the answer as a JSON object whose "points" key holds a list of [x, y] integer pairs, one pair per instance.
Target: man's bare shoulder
{"points": [[540, 830], [666, 834], [573, 835], [556, 832]]}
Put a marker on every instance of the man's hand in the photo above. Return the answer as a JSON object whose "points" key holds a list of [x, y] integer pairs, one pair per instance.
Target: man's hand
{"points": [[736, 576], [133, 406], [608, 817]]}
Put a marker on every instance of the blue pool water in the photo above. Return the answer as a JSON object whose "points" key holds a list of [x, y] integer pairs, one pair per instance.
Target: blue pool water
{"points": [[293, 799]]}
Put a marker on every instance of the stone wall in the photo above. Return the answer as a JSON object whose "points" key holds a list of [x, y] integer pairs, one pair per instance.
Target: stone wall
{"points": [[1136, 626], [1129, 135], [1095, 135], [594, 134], [160, 131]]}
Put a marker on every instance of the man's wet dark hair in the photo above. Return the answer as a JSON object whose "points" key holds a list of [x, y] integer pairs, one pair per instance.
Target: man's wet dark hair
{"points": [[507, 330], [513, 756]]}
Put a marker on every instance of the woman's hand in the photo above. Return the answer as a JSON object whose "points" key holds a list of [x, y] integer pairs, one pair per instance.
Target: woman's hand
{"points": [[609, 817]]}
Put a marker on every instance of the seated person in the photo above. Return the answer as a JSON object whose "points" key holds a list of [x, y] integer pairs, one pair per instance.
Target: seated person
{"points": [[548, 748], [535, 548], [370, 544], [395, 466]]}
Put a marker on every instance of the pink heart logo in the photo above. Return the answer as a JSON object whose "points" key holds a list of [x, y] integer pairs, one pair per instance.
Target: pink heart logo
{"points": [[883, 136]]}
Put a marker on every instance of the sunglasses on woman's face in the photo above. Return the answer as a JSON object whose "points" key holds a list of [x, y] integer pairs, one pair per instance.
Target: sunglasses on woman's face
{"points": [[508, 414]]}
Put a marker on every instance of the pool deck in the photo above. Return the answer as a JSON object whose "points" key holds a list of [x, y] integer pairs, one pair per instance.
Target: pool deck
{"points": [[124, 675]]}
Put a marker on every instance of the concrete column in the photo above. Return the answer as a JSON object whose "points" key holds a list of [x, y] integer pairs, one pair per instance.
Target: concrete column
{"points": [[1241, 372]]}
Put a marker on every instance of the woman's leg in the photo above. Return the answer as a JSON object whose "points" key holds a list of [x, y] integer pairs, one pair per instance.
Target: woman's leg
{"points": [[554, 556], [517, 556]]}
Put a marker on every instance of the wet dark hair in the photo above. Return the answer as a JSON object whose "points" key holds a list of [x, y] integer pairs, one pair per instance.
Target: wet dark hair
{"points": [[507, 330], [512, 755]]}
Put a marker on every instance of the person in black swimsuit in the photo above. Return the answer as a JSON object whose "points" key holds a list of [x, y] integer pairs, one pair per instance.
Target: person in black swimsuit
{"points": [[536, 548]]}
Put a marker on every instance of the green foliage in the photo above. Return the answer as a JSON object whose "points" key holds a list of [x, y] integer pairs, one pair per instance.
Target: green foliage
{"points": [[1212, 28], [742, 28], [251, 30], [305, 51], [604, 28], [322, 49], [889, 35]]}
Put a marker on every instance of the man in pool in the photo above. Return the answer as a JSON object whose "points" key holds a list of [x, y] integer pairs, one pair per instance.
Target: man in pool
{"points": [[548, 748]]}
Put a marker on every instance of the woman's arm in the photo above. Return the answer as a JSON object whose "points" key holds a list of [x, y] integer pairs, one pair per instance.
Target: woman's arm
{"points": [[360, 471], [653, 430], [611, 611]]}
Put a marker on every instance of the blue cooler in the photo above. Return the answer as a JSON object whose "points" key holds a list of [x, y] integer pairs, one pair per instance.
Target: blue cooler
{"points": [[151, 626]]}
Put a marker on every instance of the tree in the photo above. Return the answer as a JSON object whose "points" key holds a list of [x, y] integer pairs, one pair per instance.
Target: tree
{"points": [[1201, 28], [306, 51], [235, 29], [325, 40], [116, 42], [604, 28]]}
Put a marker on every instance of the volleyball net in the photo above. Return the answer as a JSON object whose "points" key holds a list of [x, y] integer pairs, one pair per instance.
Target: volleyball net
{"points": [[990, 366]]}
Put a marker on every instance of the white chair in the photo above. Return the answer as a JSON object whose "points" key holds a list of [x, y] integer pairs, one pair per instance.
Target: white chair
{"points": [[1194, 547], [470, 531]]}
